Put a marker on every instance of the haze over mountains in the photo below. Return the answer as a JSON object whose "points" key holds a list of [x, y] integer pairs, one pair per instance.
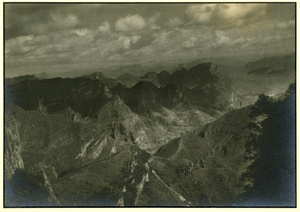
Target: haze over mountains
{"points": [[176, 138]]}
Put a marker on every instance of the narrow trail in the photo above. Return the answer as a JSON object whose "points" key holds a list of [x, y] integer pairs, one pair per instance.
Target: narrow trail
{"points": [[179, 196]]}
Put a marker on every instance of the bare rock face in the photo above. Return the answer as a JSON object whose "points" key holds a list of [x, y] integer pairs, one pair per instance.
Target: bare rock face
{"points": [[13, 146]]}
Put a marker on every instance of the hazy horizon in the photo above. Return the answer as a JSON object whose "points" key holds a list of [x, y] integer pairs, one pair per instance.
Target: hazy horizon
{"points": [[67, 37]]}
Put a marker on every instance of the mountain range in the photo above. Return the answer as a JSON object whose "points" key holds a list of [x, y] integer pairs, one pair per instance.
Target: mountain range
{"points": [[177, 138]]}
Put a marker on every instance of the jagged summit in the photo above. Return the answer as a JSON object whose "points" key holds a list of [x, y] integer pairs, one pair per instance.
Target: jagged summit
{"points": [[194, 76]]}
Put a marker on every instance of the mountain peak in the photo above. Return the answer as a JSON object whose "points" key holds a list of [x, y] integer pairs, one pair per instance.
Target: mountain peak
{"points": [[145, 86], [114, 107], [164, 73]]}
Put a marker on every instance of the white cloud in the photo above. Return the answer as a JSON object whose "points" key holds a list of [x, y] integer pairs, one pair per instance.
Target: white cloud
{"points": [[285, 25], [114, 45], [65, 21], [124, 42], [224, 39], [105, 27], [36, 40], [235, 11], [17, 45], [239, 41], [201, 13], [130, 23], [234, 14], [221, 39], [270, 39], [189, 43], [135, 38], [174, 22], [152, 21], [82, 32]]}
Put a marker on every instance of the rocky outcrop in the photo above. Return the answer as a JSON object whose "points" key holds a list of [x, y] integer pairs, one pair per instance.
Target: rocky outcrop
{"points": [[13, 147]]}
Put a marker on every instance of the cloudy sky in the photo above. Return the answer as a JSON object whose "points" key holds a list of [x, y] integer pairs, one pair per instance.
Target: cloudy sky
{"points": [[65, 37]]}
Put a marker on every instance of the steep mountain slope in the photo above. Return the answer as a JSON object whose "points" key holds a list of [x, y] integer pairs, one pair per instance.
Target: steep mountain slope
{"points": [[205, 165], [62, 156], [202, 86], [71, 159], [86, 95], [141, 97], [274, 169]]}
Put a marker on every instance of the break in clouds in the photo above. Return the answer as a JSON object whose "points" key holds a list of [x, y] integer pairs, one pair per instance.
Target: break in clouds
{"points": [[55, 37]]}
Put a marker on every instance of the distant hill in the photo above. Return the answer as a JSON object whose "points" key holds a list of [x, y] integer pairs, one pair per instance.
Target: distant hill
{"points": [[16, 80], [277, 66], [134, 69]]}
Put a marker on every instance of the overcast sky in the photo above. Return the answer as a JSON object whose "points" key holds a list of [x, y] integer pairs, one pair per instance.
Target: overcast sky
{"points": [[49, 37]]}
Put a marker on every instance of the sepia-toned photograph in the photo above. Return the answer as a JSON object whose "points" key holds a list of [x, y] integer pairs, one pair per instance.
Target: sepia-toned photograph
{"points": [[152, 104]]}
